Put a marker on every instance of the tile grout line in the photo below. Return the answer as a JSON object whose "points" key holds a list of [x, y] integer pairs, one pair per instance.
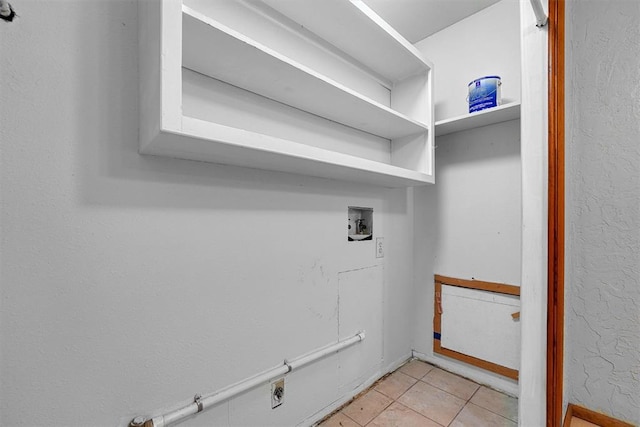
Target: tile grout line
{"points": [[430, 419], [474, 393], [411, 409], [350, 418], [465, 405], [445, 391], [458, 413], [400, 403], [406, 391], [451, 394], [383, 409], [421, 379], [487, 409]]}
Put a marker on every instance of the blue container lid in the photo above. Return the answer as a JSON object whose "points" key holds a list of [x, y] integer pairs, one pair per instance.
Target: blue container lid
{"points": [[482, 78]]}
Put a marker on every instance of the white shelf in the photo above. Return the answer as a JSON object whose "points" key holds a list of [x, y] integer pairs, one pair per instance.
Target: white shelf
{"points": [[216, 51], [242, 148], [355, 29], [175, 37], [486, 117]]}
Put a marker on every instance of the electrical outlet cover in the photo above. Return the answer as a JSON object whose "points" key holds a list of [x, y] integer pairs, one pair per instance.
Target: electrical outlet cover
{"points": [[277, 393], [379, 247]]}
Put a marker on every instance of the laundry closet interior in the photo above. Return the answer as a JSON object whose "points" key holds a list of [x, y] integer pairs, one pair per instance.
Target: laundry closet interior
{"points": [[422, 254]]}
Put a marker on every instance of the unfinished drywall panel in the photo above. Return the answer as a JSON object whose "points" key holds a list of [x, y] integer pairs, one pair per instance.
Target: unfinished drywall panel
{"points": [[481, 324], [360, 297], [602, 338]]}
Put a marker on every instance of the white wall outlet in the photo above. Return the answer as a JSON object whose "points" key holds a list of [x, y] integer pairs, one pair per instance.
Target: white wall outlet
{"points": [[379, 247], [277, 393]]}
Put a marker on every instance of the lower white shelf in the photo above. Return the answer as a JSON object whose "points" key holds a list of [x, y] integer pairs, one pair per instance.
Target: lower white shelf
{"points": [[490, 116], [211, 142]]}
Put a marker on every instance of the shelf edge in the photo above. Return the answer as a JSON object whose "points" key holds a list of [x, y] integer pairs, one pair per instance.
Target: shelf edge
{"points": [[502, 113], [213, 143]]}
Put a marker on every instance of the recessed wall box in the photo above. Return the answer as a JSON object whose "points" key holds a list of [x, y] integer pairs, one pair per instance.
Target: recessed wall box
{"points": [[277, 393], [360, 224]]}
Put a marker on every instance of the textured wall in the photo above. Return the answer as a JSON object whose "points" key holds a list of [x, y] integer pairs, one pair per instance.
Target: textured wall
{"points": [[130, 283], [603, 207]]}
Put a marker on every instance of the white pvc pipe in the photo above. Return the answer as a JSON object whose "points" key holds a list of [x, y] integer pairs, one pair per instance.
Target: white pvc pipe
{"points": [[541, 17], [241, 387], [175, 416], [226, 393], [312, 357], [219, 396]]}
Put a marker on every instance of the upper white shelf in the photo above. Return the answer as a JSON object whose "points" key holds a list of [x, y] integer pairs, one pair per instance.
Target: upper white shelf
{"points": [[354, 28], [212, 49], [393, 144], [501, 113]]}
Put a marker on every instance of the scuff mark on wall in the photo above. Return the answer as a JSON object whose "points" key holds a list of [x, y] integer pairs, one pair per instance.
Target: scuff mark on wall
{"points": [[316, 279]]}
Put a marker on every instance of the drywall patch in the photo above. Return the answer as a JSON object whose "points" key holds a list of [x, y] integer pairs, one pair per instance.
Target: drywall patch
{"points": [[360, 309]]}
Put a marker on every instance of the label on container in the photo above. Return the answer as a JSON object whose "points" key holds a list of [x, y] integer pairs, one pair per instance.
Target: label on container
{"points": [[484, 93]]}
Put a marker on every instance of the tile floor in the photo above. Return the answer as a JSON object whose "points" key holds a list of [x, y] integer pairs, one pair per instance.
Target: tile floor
{"points": [[421, 395]]}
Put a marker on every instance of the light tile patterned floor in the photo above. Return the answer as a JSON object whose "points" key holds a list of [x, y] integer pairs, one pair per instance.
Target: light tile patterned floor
{"points": [[421, 395]]}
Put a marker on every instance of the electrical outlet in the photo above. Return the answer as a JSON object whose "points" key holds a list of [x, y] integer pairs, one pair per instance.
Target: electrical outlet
{"points": [[379, 247], [277, 393]]}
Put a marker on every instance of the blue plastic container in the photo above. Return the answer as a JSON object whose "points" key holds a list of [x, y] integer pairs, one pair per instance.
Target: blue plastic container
{"points": [[484, 93]]}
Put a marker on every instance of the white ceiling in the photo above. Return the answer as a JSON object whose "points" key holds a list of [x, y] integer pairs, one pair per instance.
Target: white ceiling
{"points": [[417, 19]]}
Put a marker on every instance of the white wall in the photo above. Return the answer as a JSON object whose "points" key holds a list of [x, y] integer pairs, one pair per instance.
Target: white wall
{"points": [[130, 283], [484, 44], [479, 202], [469, 224], [602, 337]]}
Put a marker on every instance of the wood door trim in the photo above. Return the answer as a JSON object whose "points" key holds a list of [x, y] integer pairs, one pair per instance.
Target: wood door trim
{"points": [[556, 199], [501, 288], [593, 417]]}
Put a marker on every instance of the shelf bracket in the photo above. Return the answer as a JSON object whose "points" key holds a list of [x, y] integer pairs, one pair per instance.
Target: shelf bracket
{"points": [[541, 17]]}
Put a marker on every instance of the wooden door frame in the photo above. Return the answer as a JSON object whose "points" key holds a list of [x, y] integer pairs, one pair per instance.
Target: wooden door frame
{"points": [[555, 272]]}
